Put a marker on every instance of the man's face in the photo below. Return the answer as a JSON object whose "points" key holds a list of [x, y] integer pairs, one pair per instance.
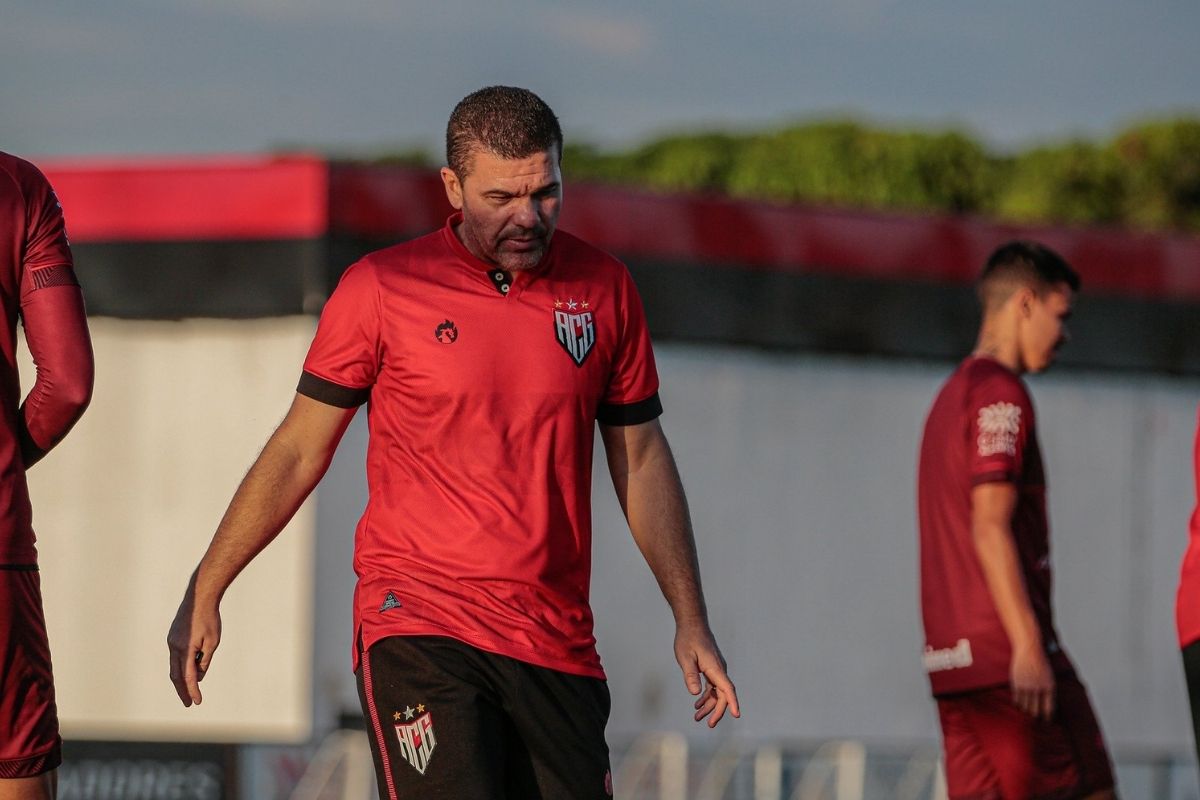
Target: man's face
{"points": [[1044, 327], [509, 205]]}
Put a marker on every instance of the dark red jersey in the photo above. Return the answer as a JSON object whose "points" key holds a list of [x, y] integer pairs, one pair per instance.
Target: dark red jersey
{"points": [[37, 284], [981, 429], [1187, 601], [483, 390]]}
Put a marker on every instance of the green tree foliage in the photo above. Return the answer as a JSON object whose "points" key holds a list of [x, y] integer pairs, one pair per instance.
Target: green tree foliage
{"points": [[1161, 165], [696, 163], [1077, 182], [840, 163], [1148, 176], [846, 164]]}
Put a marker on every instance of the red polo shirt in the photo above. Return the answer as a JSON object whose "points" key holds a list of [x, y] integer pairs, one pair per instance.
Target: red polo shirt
{"points": [[483, 390], [980, 429], [1187, 601]]}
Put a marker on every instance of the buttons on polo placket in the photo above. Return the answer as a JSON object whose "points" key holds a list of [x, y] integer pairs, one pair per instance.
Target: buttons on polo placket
{"points": [[501, 280]]}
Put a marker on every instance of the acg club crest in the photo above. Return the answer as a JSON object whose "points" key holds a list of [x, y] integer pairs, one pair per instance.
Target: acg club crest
{"points": [[416, 738], [575, 328]]}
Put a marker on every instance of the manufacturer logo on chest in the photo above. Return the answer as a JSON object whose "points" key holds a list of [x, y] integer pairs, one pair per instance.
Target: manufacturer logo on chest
{"points": [[446, 333], [575, 328]]}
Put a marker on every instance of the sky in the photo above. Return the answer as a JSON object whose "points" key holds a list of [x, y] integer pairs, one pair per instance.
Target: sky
{"points": [[141, 77]]}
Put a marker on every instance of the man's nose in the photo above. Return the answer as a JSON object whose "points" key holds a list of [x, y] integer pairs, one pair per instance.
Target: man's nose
{"points": [[526, 214]]}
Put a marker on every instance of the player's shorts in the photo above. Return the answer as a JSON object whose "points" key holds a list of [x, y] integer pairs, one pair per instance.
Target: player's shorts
{"points": [[1191, 673], [447, 720], [995, 751], [29, 741]]}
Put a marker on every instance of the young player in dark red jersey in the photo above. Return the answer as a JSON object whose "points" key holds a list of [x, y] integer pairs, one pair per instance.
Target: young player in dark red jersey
{"points": [[1187, 603], [37, 283], [1016, 721], [488, 351]]}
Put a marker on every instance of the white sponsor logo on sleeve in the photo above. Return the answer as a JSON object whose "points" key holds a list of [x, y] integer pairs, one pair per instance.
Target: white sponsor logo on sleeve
{"points": [[999, 425]]}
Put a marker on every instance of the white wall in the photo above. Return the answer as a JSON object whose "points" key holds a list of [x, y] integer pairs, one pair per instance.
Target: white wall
{"points": [[124, 509], [800, 474], [799, 470]]}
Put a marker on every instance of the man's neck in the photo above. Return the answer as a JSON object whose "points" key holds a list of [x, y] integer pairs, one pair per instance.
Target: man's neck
{"points": [[999, 348], [467, 242]]}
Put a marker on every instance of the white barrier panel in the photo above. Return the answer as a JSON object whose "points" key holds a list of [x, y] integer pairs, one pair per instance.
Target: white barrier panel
{"points": [[124, 509]]}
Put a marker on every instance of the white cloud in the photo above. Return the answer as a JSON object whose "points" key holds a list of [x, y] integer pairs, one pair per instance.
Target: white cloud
{"points": [[600, 32], [310, 11]]}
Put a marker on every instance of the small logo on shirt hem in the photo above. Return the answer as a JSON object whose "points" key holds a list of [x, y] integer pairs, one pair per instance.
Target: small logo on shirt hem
{"points": [[957, 657], [389, 603]]}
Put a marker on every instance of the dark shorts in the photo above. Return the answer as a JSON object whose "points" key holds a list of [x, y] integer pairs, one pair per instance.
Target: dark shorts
{"points": [[450, 722], [29, 741], [995, 751], [1191, 672]]}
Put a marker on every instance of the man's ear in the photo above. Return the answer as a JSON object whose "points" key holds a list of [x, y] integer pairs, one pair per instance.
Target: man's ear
{"points": [[1024, 297], [453, 186]]}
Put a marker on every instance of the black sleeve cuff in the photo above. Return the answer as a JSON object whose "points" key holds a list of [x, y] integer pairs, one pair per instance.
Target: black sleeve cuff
{"points": [[631, 414], [994, 476], [330, 393], [31, 451]]}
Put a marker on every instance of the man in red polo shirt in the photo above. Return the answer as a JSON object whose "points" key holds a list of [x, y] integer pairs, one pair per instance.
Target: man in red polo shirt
{"points": [[1016, 721], [487, 352], [1187, 602], [37, 278]]}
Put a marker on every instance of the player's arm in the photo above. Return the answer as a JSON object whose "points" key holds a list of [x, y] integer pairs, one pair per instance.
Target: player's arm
{"points": [[651, 494], [290, 465], [57, 335], [55, 324], [992, 506]]}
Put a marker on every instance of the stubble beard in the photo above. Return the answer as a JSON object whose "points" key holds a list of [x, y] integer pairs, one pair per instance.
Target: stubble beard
{"points": [[515, 261], [506, 260]]}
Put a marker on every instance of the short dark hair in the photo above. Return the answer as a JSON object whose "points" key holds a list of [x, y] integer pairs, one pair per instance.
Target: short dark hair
{"points": [[1023, 263], [504, 120]]}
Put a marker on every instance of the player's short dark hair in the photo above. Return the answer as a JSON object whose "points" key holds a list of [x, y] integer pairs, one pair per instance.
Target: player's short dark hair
{"points": [[1023, 263], [504, 120]]}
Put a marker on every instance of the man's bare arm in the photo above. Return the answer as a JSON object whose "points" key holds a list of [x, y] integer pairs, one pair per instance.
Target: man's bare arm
{"points": [[651, 494], [992, 506], [290, 465]]}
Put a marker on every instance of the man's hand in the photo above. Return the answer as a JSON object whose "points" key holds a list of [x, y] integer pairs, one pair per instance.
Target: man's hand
{"points": [[1032, 682], [193, 638], [287, 469], [704, 673]]}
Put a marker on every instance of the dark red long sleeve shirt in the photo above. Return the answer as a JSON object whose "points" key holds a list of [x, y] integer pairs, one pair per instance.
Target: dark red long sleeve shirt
{"points": [[37, 285]]}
